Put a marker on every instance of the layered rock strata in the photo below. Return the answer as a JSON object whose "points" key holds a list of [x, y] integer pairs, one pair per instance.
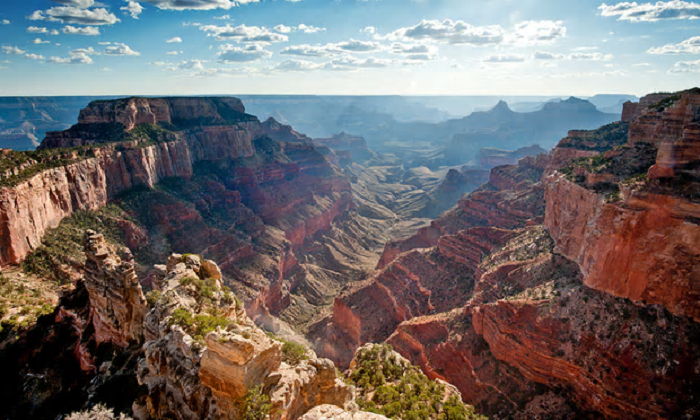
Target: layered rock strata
{"points": [[118, 307], [635, 236], [139, 142], [584, 297]]}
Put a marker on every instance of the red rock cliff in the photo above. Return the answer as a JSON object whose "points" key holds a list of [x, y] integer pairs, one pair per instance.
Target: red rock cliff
{"points": [[29, 208]]}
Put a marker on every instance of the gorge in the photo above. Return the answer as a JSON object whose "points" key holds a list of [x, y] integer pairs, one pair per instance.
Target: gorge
{"points": [[532, 284]]}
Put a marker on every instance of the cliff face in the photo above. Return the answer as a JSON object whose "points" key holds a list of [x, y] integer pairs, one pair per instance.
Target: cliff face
{"points": [[566, 285], [636, 236], [141, 142], [133, 111], [30, 207]]}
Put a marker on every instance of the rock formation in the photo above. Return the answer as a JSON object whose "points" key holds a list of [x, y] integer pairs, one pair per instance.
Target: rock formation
{"points": [[193, 349], [608, 215], [117, 304], [331, 412], [567, 284], [143, 141]]}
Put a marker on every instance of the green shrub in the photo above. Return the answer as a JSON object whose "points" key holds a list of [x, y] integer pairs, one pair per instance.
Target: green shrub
{"points": [[257, 405], [293, 353], [197, 325], [386, 386], [152, 297]]}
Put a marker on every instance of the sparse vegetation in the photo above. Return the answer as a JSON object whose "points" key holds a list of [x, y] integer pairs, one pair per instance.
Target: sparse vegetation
{"points": [[197, 325], [602, 139], [152, 297], [257, 405], [22, 302], [62, 247], [389, 386], [293, 353], [98, 412]]}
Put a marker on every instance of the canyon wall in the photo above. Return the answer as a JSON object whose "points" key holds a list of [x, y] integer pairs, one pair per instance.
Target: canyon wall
{"points": [[566, 286], [116, 154], [30, 207], [641, 239]]}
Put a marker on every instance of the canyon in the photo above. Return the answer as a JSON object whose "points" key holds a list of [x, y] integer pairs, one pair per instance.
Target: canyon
{"points": [[537, 285]]}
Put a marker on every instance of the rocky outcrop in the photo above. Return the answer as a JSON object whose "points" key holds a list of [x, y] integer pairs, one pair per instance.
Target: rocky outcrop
{"points": [[532, 321], [133, 111], [512, 198], [672, 124], [117, 304], [608, 215], [344, 142], [490, 158], [331, 412], [584, 278], [202, 355]]}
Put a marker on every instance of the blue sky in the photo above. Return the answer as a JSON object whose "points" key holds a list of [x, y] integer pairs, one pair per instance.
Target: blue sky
{"points": [[409, 47]]}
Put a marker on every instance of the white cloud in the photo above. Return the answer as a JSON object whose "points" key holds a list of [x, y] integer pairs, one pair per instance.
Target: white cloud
{"points": [[689, 46], [174, 52], [83, 4], [176, 39], [651, 12], [590, 56], [356, 46], [40, 41], [191, 65], [86, 51], [199, 4], [309, 29], [75, 15], [306, 50], [243, 33], [448, 31], [119, 49], [370, 30], [504, 58], [232, 54], [36, 30], [413, 49], [298, 65], [12, 50], [537, 32], [133, 8], [75, 57], [351, 46], [642, 65], [4, 22], [686, 67], [88, 30], [224, 17], [542, 55], [416, 52], [349, 62], [34, 56], [283, 29]]}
